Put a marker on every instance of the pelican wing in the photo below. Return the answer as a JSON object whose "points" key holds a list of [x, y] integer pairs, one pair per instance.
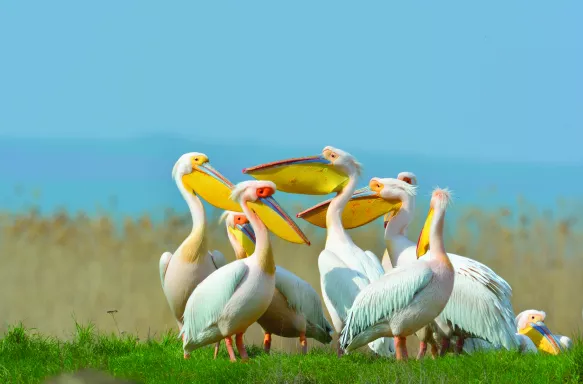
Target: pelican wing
{"points": [[164, 261], [218, 259], [301, 297], [340, 284], [376, 264], [473, 345], [377, 302], [480, 303], [206, 304]]}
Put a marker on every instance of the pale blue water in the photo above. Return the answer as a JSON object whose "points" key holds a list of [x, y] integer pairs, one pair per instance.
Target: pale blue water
{"points": [[85, 174]]}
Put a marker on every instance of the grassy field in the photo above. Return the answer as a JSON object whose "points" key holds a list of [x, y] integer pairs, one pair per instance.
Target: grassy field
{"points": [[64, 266], [26, 357]]}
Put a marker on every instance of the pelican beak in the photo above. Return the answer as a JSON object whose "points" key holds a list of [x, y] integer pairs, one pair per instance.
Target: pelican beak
{"points": [[364, 206], [278, 221], [423, 241], [212, 186], [314, 175], [245, 236], [542, 337]]}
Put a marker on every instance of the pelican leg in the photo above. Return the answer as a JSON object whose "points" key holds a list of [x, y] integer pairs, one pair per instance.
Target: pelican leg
{"points": [[434, 350], [303, 343], [241, 347], [340, 351], [401, 347], [422, 350], [217, 346], [267, 342], [444, 346], [459, 345], [186, 354], [229, 344]]}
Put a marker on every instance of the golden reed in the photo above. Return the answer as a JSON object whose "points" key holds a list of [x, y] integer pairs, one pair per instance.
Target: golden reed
{"points": [[60, 266]]}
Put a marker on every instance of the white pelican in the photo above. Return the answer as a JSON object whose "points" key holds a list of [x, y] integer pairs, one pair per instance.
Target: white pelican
{"points": [[480, 303], [345, 269], [191, 263], [531, 324], [296, 309], [407, 297], [235, 296]]}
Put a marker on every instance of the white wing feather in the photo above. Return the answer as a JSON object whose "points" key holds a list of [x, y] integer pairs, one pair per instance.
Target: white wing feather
{"points": [[164, 261], [218, 258], [381, 299], [340, 283], [480, 303], [301, 297], [377, 266], [206, 304]]}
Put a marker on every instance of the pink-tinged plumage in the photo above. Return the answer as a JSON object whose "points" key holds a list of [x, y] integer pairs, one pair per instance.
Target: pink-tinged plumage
{"points": [[191, 263], [406, 298], [232, 298]]}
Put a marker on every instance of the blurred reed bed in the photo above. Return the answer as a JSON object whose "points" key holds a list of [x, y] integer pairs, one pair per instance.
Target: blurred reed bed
{"points": [[64, 266]]}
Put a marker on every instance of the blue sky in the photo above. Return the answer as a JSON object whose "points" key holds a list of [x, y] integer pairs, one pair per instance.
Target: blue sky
{"points": [[488, 80]]}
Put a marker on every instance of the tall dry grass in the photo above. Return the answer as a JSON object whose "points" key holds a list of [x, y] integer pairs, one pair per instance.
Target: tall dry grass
{"points": [[66, 265]]}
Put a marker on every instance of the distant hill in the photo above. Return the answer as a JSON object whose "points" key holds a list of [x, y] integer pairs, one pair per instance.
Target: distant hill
{"points": [[78, 173]]}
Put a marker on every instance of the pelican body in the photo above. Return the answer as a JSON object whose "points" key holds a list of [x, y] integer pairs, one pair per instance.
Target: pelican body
{"points": [[406, 298], [235, 296], [296, 309], [480, 303], [191, 263], [345, 269]]}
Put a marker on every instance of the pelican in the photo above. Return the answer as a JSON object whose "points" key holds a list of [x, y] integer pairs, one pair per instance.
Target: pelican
{"points": [[407, 297], [530, 323], [235, 296], [480, 303], [345, 269], [296, 309], [191, 263]]}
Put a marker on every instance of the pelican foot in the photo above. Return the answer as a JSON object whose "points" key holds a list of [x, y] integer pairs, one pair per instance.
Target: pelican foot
{"points": [[444, 347], [401, 348], [241, 346], [340, 351], [422, 350], [186, 355], [217, 346], [459, 345], [304, 343], [267, 343], [434, 351], [229, 344]]}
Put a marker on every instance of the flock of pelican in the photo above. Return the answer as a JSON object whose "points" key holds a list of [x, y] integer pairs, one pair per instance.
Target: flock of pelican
{"points": [[417, 289]]}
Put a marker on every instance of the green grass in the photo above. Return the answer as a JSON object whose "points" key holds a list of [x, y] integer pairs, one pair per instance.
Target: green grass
{"points": [[27, 357]]}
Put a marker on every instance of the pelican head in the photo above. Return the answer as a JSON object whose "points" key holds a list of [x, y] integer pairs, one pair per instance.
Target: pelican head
{"points": [[238, 226], [314, 175], [531, 323], [257, 194], [195, 174], [407, 177], [380, 197], [440, 199]]}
